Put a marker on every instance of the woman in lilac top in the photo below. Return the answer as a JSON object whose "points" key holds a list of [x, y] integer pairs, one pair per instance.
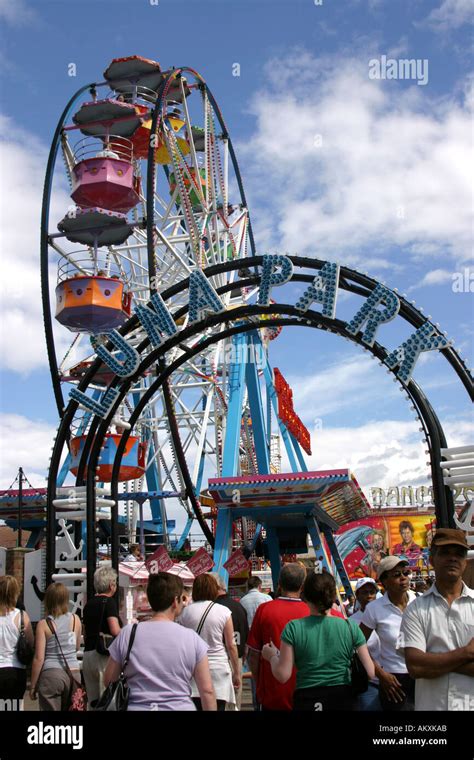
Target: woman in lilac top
{"points": [[165, 656]]}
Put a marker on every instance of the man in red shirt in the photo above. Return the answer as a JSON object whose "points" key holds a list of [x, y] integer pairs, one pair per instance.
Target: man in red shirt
{"points": [[268, 624]]}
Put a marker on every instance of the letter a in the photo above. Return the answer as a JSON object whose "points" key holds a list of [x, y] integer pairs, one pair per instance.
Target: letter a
{"points": [[32, 737], [202, 296], [323, 290], [374, 69]]}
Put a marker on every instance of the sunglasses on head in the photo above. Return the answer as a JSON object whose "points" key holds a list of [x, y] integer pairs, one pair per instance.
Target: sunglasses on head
{"points": [[399, 573]]}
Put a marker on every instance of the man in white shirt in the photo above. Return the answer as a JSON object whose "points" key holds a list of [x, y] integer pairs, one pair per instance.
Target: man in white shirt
{"points": [[437, 631], [254, 598], [384, 616]]}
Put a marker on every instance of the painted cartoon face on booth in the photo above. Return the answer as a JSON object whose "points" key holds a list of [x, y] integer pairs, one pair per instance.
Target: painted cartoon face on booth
{"points": [[377, 542], [407, 535]]}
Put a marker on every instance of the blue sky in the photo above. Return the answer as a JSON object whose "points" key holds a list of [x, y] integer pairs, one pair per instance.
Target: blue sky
{"points": [[385, 190]]}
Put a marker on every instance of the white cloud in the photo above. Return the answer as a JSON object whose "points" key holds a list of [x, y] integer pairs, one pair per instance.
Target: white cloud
{"points": [[380, 453], [23, 159], [16, 12], [434, 277], [353, 162], [25, 443], [451, 14], [332, 389]]}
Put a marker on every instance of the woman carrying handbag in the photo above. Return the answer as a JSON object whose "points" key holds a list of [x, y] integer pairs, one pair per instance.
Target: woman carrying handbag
{"points": [[321, 647], [158, 658], [12, 664], [58, 637]]}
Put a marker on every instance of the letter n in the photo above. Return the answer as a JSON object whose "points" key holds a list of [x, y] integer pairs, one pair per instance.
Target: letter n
{"points": [[157, 321], [202, 296]]}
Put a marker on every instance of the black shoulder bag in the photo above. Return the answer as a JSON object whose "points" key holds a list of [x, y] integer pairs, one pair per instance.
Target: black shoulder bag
{"points": [[24, 650], [116, 695], [359, 677], [104, 640]]}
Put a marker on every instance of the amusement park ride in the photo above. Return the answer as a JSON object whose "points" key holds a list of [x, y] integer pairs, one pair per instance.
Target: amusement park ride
{"points": [[171, 395]]}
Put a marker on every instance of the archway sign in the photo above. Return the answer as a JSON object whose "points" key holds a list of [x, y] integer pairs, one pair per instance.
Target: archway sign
{"points": [[204, 314]]}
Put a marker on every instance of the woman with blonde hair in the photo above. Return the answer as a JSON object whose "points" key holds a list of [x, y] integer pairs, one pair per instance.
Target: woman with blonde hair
{"points": [[213, 622], [12, 672], [60, 630]]}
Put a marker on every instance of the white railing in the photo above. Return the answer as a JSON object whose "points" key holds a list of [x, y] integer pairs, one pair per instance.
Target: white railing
{"points": [[112, 146]]}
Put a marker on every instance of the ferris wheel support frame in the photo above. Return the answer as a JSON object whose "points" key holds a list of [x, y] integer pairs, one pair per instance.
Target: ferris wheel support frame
{"points": [[177, 73]]}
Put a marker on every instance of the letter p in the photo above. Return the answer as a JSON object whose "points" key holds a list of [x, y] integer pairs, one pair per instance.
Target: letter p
{"points": [[272, 277]]}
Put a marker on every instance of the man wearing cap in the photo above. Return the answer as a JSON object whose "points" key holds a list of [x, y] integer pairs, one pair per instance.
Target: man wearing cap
{"points": [[436, 635], [366, 592], [384, 616]]}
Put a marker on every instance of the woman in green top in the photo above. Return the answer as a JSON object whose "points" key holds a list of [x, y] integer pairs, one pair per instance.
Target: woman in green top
{"points": [[320, 647]]}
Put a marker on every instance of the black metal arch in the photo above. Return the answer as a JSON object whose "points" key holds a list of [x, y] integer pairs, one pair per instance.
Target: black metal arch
{"points": [[98, 427]]}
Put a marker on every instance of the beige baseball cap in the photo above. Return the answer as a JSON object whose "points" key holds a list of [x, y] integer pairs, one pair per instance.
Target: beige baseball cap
{"points": [[388, 563]]}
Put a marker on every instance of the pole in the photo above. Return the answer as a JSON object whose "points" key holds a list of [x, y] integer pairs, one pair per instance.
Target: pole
{"points": [[20, 505], [142, 530]]}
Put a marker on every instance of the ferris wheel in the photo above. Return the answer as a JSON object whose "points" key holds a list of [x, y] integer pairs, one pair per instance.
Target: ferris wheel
{"points": [[156, 194]]}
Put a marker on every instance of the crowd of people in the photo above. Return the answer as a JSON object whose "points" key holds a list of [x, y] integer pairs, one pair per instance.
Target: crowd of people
{"points": [[416, 647]]}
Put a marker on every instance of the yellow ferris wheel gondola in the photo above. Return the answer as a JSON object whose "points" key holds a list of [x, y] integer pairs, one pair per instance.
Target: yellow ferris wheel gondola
{"points": [[141, 140]]}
